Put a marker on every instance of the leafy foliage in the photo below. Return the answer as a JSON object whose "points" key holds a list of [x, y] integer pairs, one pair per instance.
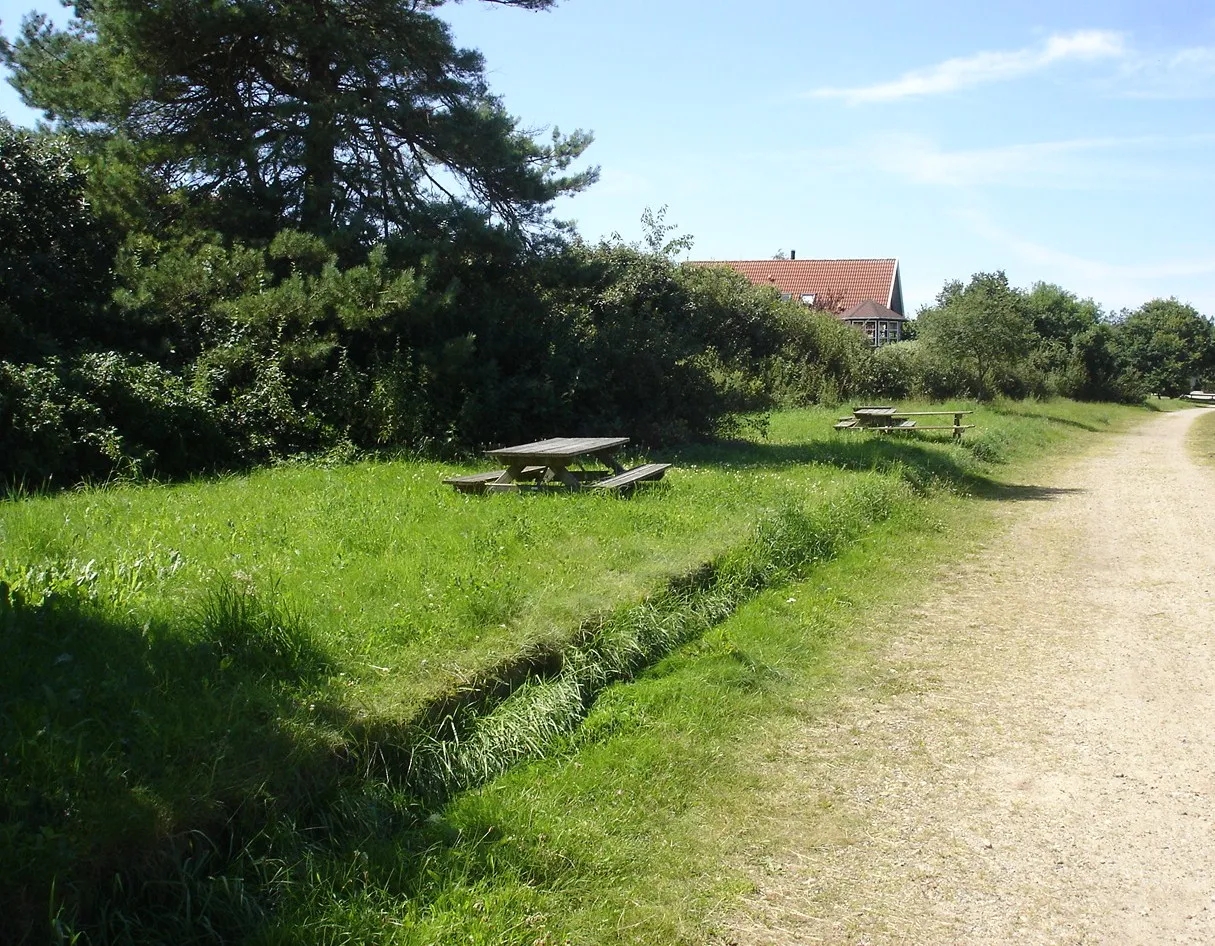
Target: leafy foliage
{"points": [[988, 338], [1167, 345], [274, 229], [54, 256], [341, 118], [983, 328]]}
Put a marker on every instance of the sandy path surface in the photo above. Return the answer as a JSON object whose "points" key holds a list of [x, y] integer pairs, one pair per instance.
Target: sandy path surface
{"points": [[1039, 766]]}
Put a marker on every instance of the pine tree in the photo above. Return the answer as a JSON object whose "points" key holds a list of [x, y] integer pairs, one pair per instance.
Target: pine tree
{"points": [[359, 117]]}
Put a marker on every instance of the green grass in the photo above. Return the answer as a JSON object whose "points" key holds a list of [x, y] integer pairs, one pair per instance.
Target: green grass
{"points": [[211, 684], [1202, 438], [623, 833]]}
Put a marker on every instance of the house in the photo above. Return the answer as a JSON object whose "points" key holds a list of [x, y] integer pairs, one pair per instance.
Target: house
{"points": [[867, 293], [880, 324]]}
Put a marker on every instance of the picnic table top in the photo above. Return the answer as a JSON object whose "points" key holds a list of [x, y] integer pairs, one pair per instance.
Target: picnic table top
{"points": [[557, 448], [895, 412]]}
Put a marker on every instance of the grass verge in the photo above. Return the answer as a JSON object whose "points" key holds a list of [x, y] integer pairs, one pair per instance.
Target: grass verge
{"points": [[1202, 438]]}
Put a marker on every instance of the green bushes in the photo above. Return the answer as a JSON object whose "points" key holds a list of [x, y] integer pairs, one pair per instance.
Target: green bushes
{"points": [[54, 255], [229, 354], [187, 350], [101, 414], [988, 339], [1166, 346]]}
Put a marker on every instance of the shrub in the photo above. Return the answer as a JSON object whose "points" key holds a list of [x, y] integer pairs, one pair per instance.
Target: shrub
{"points": [[101, 414], [54, 257], [895, 371]]}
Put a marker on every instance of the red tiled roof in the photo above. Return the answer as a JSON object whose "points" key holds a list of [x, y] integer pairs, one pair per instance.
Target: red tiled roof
{"points": [[854, 280]]}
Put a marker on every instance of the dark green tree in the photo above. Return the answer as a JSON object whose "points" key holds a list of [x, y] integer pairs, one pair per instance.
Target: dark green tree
{"points": [[54, 256], [1059, 320], [984, 329], [359, 117], [1059, 315], [1167, 345]]}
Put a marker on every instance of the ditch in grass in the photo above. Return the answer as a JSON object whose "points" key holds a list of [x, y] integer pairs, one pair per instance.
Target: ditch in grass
{"points": [[198, 710]]}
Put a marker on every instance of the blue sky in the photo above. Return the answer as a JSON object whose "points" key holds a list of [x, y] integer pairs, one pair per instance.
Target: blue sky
{"points": [[1070, 142]]}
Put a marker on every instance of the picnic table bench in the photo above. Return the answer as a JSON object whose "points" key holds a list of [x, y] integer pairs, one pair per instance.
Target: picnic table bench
{"points": [[547, 463], [886, 419]]}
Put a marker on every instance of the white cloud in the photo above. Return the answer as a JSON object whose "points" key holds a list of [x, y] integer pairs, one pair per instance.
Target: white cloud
{"points": [[1119, 285], [984, 67], [1084, 163], [1185, 74]]}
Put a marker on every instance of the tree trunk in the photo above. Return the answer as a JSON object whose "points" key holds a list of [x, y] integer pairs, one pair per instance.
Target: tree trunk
{"points": [[320, 135]]}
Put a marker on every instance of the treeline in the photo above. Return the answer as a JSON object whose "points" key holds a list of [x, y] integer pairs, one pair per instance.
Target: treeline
{"points": [[987, 338], [140, 354], [177, 353], [315, 230]]}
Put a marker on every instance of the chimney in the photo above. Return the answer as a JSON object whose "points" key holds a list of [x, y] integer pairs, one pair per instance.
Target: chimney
{"points": [[792, 255]]}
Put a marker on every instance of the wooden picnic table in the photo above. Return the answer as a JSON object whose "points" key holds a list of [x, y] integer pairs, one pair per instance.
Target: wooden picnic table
{"points": [[555, 456], [886, 419], [547, 462]]}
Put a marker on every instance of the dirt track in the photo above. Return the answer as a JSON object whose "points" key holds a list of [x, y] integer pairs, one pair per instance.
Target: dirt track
{"points": [[1040, 767]]}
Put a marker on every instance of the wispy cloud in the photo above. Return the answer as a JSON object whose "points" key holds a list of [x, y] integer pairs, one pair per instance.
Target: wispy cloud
{"points": [[1077, 163], [985, 67], [1122, 284], [1185, 74]]}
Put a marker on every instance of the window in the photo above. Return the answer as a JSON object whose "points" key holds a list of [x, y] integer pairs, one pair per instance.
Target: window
{"points": [[786, 296], [808, 298]]}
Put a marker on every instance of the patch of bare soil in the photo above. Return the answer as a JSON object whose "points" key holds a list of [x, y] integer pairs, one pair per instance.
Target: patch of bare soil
{"points": [[1039, 763]]}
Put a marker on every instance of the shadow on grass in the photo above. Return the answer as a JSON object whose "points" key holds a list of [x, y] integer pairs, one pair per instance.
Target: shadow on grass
{"points": [[1011, 492], [922, 463], [1050, 419], [130, 752], [175, 784]]}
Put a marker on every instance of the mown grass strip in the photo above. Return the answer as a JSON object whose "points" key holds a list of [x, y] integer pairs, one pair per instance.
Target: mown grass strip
{"points": [[466, 752]]}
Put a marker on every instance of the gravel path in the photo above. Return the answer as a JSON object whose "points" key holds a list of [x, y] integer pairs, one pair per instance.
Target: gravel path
{"points": [[1038, 763]]}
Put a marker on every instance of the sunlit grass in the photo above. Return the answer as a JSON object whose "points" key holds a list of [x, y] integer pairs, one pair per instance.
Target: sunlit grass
{"points": [[1201, 441]]}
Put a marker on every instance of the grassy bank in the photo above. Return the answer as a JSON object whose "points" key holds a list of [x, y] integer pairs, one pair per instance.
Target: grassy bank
{"points": [[1202, 438], [261, 658]]}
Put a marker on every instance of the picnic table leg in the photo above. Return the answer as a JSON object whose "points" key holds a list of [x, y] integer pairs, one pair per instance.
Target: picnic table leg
{"points": [[562, 473], [608, 459], [507, 480]]}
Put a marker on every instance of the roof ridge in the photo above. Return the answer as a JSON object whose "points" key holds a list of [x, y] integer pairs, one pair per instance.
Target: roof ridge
{"points": [[817, 259]]}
